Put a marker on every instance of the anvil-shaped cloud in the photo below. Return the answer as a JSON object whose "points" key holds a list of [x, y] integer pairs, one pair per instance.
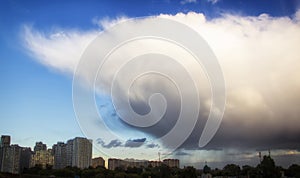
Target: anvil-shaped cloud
{"points": [[260, 60]]}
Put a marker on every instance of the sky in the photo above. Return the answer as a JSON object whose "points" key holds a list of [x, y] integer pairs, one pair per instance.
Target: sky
{"points": [[255, 42]]}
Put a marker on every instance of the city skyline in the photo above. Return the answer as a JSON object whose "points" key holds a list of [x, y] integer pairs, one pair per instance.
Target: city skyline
{"points": [[255, 42], [76, 152]]}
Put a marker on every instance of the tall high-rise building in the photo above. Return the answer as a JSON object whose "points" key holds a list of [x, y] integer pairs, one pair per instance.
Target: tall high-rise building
{"points": [[13, 158], [76, 152], [59, 151], [81, 152], [10, 159], [69, 152], [25, 161]]}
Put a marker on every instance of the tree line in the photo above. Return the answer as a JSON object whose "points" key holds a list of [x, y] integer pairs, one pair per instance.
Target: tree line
{"points": [[266, 169]]}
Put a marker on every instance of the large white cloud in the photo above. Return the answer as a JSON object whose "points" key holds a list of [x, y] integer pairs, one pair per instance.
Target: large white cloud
{"points": [[260, 60]]}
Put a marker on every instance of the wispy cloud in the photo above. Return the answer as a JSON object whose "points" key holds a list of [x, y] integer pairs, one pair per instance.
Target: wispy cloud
{"points": [[58, 49], [182, 153], [108, 22], [187, 1], [213, 1]]}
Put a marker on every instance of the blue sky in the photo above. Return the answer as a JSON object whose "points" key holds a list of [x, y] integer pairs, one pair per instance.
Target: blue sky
{"points": [[35, 99]]}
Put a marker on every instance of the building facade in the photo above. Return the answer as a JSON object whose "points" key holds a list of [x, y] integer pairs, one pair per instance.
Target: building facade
{"points": [[5, 141], [99, 161], [81, 152], [43, 158], [114, 163], [10, 159], [171, 162], [154, 163], [59, 151], [76, 152], [40, 146]]}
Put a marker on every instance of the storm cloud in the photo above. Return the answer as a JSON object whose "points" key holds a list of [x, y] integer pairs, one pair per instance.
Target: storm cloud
{"points": [[259, 56]]}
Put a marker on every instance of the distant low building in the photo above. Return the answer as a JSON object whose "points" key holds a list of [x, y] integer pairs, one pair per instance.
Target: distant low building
{"points": [[171, 162], [114, 163], [99, 161], [154, 163]]}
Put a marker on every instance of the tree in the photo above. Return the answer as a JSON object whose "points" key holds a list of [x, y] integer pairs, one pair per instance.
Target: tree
{"points": [[267, 168], [188, 172], [206, 169], [293, 171], [232, 170]]}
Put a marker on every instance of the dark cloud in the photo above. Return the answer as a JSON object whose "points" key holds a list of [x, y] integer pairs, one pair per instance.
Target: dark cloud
{"points": [[131, 143], [152, 145], [244, 127], [135, 142], [111, 144]]}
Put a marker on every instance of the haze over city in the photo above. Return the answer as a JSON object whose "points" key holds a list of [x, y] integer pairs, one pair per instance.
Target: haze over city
{"points": [[255, 42]]}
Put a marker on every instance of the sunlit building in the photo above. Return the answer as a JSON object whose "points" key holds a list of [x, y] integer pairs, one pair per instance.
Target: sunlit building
{"points": [[43, 158], [99, 161], [79, 152]]}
